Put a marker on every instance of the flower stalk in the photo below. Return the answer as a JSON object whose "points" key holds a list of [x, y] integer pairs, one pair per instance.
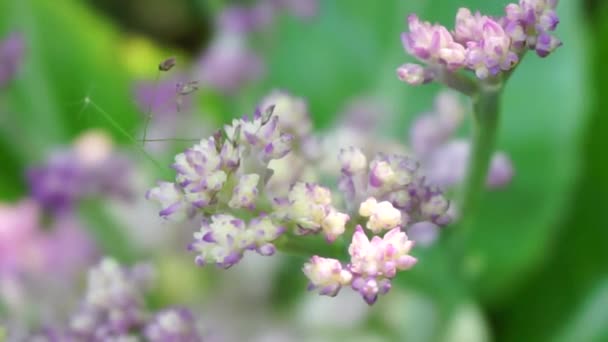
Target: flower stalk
{"points": [[486, 113]]}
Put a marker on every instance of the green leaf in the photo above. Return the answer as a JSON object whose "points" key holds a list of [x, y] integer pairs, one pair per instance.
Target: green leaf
{"points": [[71, 55]]}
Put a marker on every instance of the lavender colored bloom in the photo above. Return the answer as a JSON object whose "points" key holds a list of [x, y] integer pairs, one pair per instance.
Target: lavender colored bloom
{"points": [[414, 74], [29, 248], [485, 45], [172, 325], [374, 262], [309, 206], [161, 98], [228, 169], [57, 184], [326, 275], [536, 18], [431, 130], [444, 158], [446, 166], [397, 180], [228, 64], [432, 44], [20, 238], [223, 239], [490, 53], [88, 169], [12, 50]]}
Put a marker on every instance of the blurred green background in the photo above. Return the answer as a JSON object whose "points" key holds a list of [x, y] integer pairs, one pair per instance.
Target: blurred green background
{"points": [[538, 260]]}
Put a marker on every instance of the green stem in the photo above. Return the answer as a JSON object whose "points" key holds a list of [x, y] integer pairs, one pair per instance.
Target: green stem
{"points": [[310, 245], [486, 116]]}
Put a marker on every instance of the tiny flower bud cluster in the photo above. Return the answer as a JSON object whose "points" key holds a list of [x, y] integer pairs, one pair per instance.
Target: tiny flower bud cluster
{"points": [[309, 206], [373, 264], [482, 44], [395, 180], [223, 240], [221, 176]]}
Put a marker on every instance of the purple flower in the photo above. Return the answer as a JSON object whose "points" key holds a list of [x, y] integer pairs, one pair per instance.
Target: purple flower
{"points": [[326, 275], [223, 239], [432, 44], [161, 99], [12, 51], [229, 64], [414, 74], [396, 179], [86, 170], [485, 45], [308, 205], [375, 262]]}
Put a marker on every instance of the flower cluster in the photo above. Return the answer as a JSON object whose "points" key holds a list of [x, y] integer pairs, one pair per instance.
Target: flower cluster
{"points": [[88, 169], [480, 43], [309, 207], [223, 239], [373, 263], [395, 179], [229, 179], [113, 309], [223, 175]]}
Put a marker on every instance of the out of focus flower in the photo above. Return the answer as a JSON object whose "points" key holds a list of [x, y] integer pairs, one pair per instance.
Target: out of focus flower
{"points": [[27, 247], [175, 325], [12, 51], [228, 64], [113, 309], [444, 158], [293, 114], [86, 170]]}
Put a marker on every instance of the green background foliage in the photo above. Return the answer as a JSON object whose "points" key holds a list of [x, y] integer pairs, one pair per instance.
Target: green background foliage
{"points": [[535, 269]]}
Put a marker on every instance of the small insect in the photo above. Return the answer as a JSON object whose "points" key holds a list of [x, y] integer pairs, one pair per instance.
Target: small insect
{"points": [[167, 64], [184, 89]]}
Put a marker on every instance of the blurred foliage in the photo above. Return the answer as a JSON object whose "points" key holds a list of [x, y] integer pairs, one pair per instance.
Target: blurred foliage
{"points": [[537, 258]]}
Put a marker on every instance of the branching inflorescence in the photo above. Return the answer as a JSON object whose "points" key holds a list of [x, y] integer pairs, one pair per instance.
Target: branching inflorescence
{"points": [[229, 178]]}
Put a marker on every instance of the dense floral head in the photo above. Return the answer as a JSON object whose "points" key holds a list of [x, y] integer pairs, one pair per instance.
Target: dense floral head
{"points": [[223, 239], [488, 46], [228, 168], [394, 179], [373, 263]]}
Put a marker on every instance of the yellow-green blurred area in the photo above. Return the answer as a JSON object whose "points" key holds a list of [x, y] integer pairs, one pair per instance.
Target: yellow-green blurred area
{"points": [[536, 266]]}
